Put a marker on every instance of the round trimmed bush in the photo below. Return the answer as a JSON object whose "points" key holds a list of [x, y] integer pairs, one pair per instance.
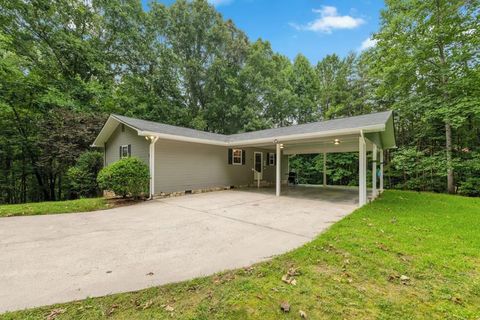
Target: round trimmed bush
{"points": [[126, 177]]}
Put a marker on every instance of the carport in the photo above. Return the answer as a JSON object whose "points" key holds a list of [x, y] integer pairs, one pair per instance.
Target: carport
{"points": [[371, 133]]}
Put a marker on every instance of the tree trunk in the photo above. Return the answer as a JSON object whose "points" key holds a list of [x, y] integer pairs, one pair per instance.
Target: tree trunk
{"points": [[9, 179], [59, 196], [51, 180], [448, 146], [443, 86], [31, 155], [24, 181]]}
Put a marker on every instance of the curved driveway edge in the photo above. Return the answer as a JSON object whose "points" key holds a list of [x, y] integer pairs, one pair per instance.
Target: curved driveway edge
{"points": [[58, 258]]}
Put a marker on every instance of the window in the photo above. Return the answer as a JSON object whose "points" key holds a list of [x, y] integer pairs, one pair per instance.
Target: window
{"points": [[237, 156], [271, 159], [124, 152]]}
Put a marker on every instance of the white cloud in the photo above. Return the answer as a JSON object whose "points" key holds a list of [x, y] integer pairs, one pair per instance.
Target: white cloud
{"points": [[329, 20], [367, 44], [217, 3]]}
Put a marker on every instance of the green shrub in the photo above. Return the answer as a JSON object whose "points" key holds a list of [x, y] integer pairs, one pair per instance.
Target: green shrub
{"points": [[470, 187], [126, 177], [83, 176]]}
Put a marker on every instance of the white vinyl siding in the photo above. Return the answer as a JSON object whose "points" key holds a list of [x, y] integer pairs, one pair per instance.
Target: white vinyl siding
{"points": [[119, 138], [181, 166]]}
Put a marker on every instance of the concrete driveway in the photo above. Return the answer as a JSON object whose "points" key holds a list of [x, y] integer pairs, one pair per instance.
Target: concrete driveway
{"points": [[58, 258]]}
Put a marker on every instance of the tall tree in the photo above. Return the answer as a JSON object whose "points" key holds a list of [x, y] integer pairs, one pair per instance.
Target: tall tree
{"points": [[305, 86], [205, 46], [427, 55], [266, 88], [334, 74]]}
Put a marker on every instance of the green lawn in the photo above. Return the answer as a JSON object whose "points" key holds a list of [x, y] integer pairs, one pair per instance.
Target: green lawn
{"points": [[52, 207], [352, 271]]}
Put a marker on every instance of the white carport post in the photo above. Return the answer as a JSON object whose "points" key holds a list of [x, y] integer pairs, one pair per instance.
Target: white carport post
{"points": [[381, 170], [152, 165], [324, 169], [362, 171], [374, 171], [278, 175]]}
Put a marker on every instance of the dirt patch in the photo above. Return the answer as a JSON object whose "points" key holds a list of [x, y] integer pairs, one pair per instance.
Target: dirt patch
{"points": [[122, 202]]}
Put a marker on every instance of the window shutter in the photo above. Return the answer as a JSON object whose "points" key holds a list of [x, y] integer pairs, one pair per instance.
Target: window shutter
{"points": [[129, 150], [275, 159], [268, 158], [120, 154], [243, 156], [230, 156]]}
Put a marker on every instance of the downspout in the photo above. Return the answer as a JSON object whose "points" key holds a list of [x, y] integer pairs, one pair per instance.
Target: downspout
{"points": [[152, 140]]}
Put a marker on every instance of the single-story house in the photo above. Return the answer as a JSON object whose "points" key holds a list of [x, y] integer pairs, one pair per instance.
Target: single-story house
{"points": [[184, 160]]}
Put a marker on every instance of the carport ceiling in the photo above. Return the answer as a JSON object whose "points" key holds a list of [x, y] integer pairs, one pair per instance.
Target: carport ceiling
{"points": [[346, 143]]}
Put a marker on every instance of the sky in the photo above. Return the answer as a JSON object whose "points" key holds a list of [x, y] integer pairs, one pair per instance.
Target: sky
{"points": [[314, 28]]}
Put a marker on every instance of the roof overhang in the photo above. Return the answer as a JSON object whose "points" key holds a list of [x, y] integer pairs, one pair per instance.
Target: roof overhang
{"points": [[308, 136], [181, 138], [382, 135], [107, 130]]}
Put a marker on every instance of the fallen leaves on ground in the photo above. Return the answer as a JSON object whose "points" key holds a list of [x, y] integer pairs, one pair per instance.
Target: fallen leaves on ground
{"points": [[289, 280], [249, 269], [221, 279], [293, 272], [405, 280], [457, 300], [285, 306], [54, 313], [147, 304], [382, 246], [168, 308], [111, 310]]}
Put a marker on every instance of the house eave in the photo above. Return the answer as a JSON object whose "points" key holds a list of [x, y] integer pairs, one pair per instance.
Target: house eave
{"points": [[269, 140], [180, 138], [384, 138], [107, 130], [311, 135]]}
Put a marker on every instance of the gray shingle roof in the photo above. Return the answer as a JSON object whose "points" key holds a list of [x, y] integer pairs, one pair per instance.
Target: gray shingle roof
{"points": [[144, 125], [362, 121], [321, 126]]}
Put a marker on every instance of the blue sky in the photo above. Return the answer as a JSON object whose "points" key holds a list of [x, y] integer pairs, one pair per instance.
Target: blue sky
{"points": [[314, 28]]}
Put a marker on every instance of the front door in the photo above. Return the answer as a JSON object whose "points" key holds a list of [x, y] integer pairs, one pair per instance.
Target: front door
{"points": [[258, 165]]}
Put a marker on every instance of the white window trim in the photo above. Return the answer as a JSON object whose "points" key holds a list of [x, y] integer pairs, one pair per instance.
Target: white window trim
{"points": [[233, 157], [271, 159], [124, 147]]}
